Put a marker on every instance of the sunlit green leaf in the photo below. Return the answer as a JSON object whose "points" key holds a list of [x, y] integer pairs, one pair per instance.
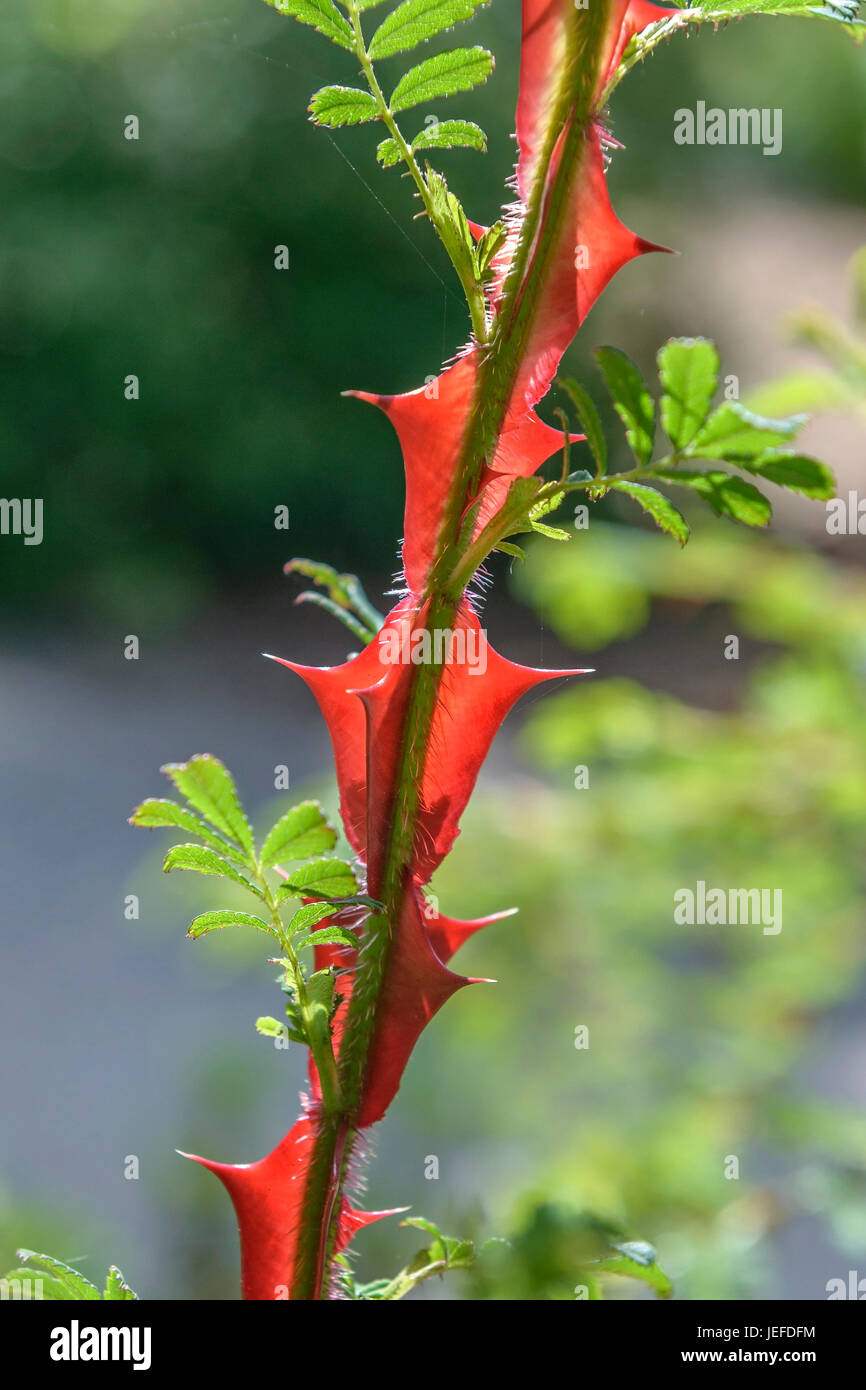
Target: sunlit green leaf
{"points": [[208, 786], [589, 420], [308, 915], [388, 153], [421, 1223], [492, 240], [513, 550], [416, 20], [339, 106], [443, 1254], [844, 12], [451, 222], [327, 878], [299, 834], [553, 533], [441, 76], [633, 403], [546, 505], [662, 511], [322, 15], [726, 494], [158, 812], [802, 391], [733, 433], [446, 135], [689, 373], [27, 1285], [271, 1027], [637, 1260], [796, 472], [213, 921], [116, 1287], [332, 936], [205, 861], [77, 1287]]}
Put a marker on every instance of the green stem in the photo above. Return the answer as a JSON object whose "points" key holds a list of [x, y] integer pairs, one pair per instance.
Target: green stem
{"points": [[321, 1048], [473, 291]]}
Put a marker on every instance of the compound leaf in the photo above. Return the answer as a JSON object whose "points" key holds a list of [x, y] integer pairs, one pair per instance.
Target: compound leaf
{"points": [[458, 70]]}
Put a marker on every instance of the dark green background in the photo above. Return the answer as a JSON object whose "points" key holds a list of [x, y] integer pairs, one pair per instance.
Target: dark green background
{"points": [[155, 257]]}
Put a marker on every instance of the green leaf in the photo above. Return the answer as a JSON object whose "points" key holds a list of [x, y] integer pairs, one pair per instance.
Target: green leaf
{"points": [[158, 812], [513, 550], [841, 11], [553, 533], [355, 626], [637, 1260], [662, 511], [733, 433], [795, 472], [633, 403], [416, 20], [459, 1254], [295, 1028], [271, 1027], [332, 936], [299, 834], [320, 996], [689, 373], [441, 76], [444, 1253], [213, 921], [801, 391], [388, 153], [77, 1288], [116, 1287], [449, 135], [451, 223], [308, 915], [322, 15], [727, 495], [20, 1285], [326, 878], [205, 861], [520, 499], [421, 1223], [590, 421], [338, 106], [546, 505], [638, 1250], [346, 590], [446, 135], [208, 786], [492, 240]]}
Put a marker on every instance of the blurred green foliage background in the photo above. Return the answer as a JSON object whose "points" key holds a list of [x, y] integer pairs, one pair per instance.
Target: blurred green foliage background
{"points": [[155, 257]]}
